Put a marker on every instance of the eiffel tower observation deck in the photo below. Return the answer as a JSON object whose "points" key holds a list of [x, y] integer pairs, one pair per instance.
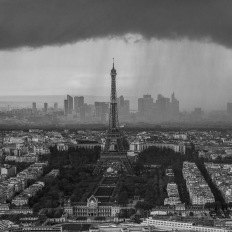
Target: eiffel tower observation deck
{"points": [[113, 152]]}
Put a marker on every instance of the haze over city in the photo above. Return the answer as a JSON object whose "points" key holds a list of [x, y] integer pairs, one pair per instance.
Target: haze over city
{"points": [[116, 115], [156, 52]]}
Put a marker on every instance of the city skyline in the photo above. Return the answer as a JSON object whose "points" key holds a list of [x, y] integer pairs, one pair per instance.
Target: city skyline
{"points": [[208, 92], [24, 101], [116, 115], [155, 55]]}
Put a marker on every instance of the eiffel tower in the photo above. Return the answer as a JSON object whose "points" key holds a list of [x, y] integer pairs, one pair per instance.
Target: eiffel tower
{"points": [[113, 150]]}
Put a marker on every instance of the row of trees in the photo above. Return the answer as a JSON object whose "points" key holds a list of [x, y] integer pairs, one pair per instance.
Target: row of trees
{"points": [[149, 185], [168, 158], [155, 188], [161, 156], [73, 156], [75, 179]]}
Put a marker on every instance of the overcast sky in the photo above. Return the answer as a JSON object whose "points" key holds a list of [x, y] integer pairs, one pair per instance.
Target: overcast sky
{"points": [[60, 47]]}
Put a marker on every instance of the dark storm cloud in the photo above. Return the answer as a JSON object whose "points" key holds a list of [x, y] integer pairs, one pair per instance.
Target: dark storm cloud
{"points": [[36, 23]]}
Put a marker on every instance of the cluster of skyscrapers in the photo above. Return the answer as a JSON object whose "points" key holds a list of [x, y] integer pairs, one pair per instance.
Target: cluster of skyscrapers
{"points": [[45, 108], [76, 108], [73, 104], [163, 109], [149, 110]]}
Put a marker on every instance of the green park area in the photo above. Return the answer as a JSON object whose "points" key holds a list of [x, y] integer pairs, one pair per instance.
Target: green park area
{"points": [[75, 180], [149, 181]]}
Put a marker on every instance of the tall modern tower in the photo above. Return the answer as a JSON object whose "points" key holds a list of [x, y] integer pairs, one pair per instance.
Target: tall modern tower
{"points": [[70, 104], [113, 151], [78, 103]]}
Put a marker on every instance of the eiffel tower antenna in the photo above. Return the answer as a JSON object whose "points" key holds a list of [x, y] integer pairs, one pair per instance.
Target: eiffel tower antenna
{"points": [[113, 150]]}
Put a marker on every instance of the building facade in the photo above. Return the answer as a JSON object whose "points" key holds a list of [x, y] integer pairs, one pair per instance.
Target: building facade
{"points": [[177, 225], [92, 208], [140, 146]]}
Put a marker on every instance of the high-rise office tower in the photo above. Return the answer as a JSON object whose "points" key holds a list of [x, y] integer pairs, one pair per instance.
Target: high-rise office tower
{"points": [[82, 113], [163, 103], [123, 106], [174, 107], [98, 110], [145, 107], [76, 108], [140, 106], [120, 101], [66, 107], [78, 102], [162, 108], [70, 104], [45, 107], [148, 103], [126, 107], [101, 110]]}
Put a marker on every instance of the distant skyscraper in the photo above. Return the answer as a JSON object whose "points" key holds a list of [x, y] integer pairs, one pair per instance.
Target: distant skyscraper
{"points": [[70, 104], [145, 107], [120, 101], [140, 106], [126, 107], [123, 106], [65, 107], [162, 103], [98, 111], [162, 108], [174, 108], [229, 108], [175, 103], [82, 113], [45, 107], [101, 110], [148, 102], [78, 102]]}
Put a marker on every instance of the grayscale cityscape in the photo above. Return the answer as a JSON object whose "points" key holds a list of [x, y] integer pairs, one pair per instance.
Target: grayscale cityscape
{"points": [[115, 115]]}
